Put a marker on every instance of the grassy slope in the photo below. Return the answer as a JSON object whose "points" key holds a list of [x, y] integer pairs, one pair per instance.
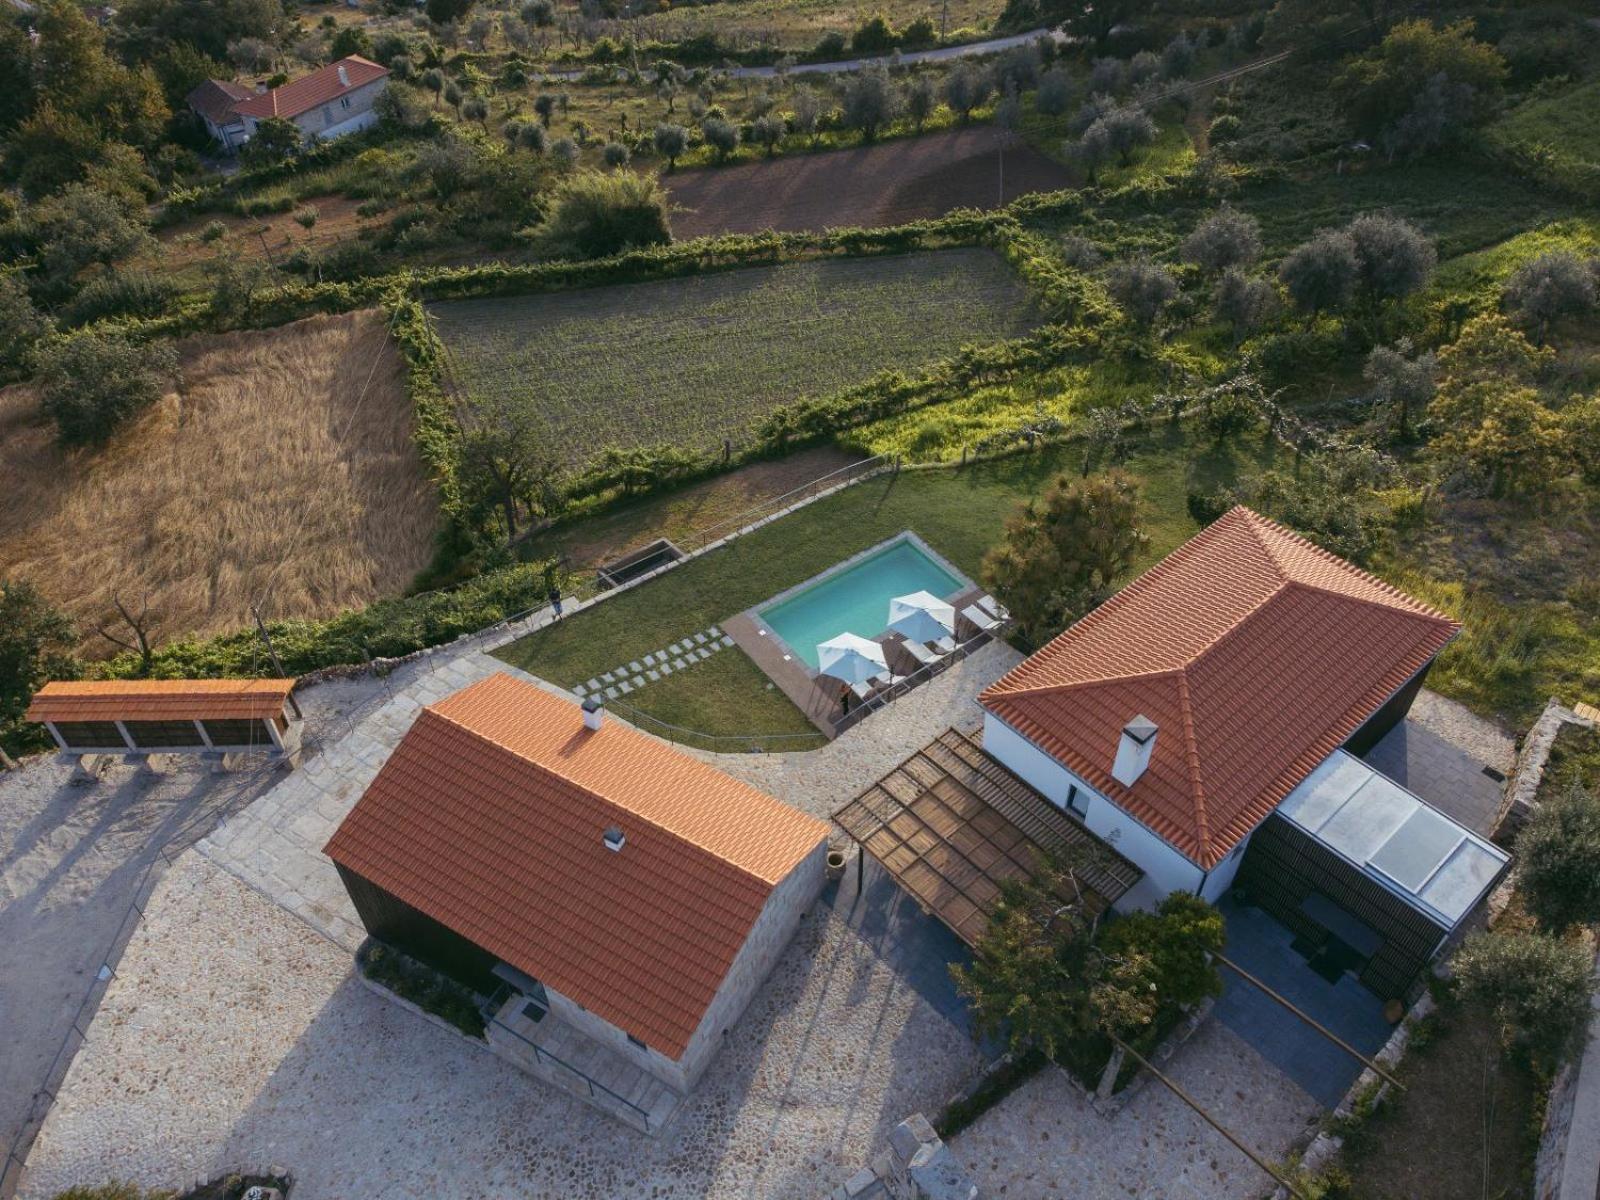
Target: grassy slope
{"points": [[1565, 126], [960, 513], [692, 361]]}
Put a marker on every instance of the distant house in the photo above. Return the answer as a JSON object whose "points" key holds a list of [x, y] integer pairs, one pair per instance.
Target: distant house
{"points": [[619, 901], [1206, 721], [328, 103]]}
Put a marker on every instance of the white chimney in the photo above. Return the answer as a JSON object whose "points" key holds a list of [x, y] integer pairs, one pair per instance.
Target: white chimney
{"points": [[614, 839], [593, 710], [344, 76], [1134, 748]]}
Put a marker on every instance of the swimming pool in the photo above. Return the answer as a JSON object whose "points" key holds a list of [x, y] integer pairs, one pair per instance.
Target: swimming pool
{"points": [[854, 598]]}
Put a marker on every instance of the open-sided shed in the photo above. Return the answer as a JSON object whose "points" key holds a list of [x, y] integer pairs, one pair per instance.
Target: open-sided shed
{"points": [[141, 717]]}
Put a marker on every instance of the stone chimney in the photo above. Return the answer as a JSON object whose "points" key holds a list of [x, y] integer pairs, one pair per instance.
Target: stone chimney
{"points": [[614, 839], [344, 76], [1134, 748], [593, 712]]}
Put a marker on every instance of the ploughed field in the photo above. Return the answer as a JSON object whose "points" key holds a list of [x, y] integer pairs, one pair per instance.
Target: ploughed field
{"points": [[890, 183], [691, 362]]}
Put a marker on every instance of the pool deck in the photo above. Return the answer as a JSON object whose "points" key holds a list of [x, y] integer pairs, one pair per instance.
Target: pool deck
{"points": [[816, 696]]}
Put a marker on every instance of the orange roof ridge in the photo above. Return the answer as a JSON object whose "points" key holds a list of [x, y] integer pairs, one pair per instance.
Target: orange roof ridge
{"points": [[608, 801], [1191, 749], [1279, 648]]}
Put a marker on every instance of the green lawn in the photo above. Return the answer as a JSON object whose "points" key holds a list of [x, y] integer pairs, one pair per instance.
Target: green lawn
{"points": [[726, 695], [960, 513], [693, 361]]}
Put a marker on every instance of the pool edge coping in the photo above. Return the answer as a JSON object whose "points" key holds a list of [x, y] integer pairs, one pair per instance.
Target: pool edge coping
{"points": [[753, 613]]}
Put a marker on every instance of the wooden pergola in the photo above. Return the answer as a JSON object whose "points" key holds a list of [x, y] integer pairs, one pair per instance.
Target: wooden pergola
{"points": [[950, 825]]}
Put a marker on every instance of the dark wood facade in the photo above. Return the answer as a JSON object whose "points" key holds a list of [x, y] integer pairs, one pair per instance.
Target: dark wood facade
{"points": [[1283, 866], [392, 920], [1386, 718]]}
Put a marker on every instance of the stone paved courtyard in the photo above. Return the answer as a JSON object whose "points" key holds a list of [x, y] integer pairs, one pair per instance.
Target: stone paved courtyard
{"points": [[1045, 1142], [235, 1035]]}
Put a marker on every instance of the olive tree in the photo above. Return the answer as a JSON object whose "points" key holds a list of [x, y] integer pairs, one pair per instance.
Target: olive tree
{"points": [[1554, 285], [1402, 382], [1320, 274], [1558, 861], [1393, 257], [1142, 288], [768, 131], [1227, 238], [721, 135], [670, 141], [966, 88], [922, 97], [870, 101], [1244, 303], [1536, 987]]}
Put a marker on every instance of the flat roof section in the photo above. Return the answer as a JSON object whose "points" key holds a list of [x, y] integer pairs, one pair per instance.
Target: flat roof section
{"points": [[951, 825], [1437, 865]]}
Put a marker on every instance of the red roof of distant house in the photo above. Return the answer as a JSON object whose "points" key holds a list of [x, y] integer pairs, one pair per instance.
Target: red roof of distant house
{"points": [[160, 700], [215, 99], [489, 818], [1256, 653], [303, 94]]}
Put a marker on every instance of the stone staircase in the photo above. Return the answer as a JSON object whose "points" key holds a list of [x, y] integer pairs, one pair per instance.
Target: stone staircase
{"points": [[556, 1052]]}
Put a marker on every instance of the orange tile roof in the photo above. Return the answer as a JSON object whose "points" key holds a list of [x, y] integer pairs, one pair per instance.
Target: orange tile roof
{"points": [[302, 95], [1255, 652], [488, 817], [160, 700]]}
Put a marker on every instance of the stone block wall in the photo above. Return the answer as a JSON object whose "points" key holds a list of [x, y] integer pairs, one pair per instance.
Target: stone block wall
{"points": [[769, 938], [916, 1166]]}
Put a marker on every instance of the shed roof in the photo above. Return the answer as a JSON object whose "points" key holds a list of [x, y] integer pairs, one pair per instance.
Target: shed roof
{"points": [[303, 94], [1255, 652], [160, 700], [489, 815]]}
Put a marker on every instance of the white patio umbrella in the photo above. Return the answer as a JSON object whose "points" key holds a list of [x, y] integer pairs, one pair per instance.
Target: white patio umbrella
{"points": [[922, 617], [851, 658]]}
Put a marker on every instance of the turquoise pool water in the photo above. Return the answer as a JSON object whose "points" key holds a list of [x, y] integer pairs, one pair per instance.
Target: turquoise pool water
{"points": [[856, 600]]}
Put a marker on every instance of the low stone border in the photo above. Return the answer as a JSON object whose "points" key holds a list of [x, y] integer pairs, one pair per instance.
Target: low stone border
{"points": [[1186, 1029], [1523, 791], [1370, 1088]]}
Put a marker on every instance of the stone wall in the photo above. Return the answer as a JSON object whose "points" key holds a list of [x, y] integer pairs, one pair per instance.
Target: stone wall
{"points": [[1522, 794], [769, 937]]}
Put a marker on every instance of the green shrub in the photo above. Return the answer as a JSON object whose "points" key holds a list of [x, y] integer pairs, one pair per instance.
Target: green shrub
{"points": [[430, 990], [129, 293], [90, 383], [596, 214], [1536, 987]]}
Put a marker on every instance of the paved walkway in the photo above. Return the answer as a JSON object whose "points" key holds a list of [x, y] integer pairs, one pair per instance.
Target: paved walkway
{"points": [[648, 668], [1440, 751]]}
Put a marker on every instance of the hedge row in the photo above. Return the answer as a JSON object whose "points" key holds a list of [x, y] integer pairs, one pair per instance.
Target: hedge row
{"points": [[386, 629]]}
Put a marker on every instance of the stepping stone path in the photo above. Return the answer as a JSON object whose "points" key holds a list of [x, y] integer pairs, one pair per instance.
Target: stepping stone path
{"points": [[656, 665]]}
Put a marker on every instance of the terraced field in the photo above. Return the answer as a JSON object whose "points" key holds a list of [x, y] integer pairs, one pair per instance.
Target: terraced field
{"points": [[694, 361]]}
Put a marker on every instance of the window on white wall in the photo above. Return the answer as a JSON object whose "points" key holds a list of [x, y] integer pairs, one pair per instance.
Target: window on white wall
{"points": [[1077, 802], [344, 101]]}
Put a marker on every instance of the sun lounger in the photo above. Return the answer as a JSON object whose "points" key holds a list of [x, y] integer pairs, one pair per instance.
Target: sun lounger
{"points": [[945, 645], [993, 607], [986, 622], [921, 653]]}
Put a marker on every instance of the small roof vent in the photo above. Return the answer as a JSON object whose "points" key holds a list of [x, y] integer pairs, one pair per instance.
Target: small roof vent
{"points": [[614, 839], [344, 76]]}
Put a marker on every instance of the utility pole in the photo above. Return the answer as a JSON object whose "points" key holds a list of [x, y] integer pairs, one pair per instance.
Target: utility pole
{"points": [[277, 663]]}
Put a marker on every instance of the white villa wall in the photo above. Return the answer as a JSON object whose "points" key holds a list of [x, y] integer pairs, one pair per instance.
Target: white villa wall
{"points": [[334, 119], [1165, 869]]}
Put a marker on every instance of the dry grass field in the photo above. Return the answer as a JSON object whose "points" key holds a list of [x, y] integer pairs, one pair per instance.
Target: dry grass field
{"points": [[288, 445]]}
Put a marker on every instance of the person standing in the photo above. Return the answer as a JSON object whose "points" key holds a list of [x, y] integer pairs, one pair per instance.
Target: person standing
{"points": [[554, 596]]}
